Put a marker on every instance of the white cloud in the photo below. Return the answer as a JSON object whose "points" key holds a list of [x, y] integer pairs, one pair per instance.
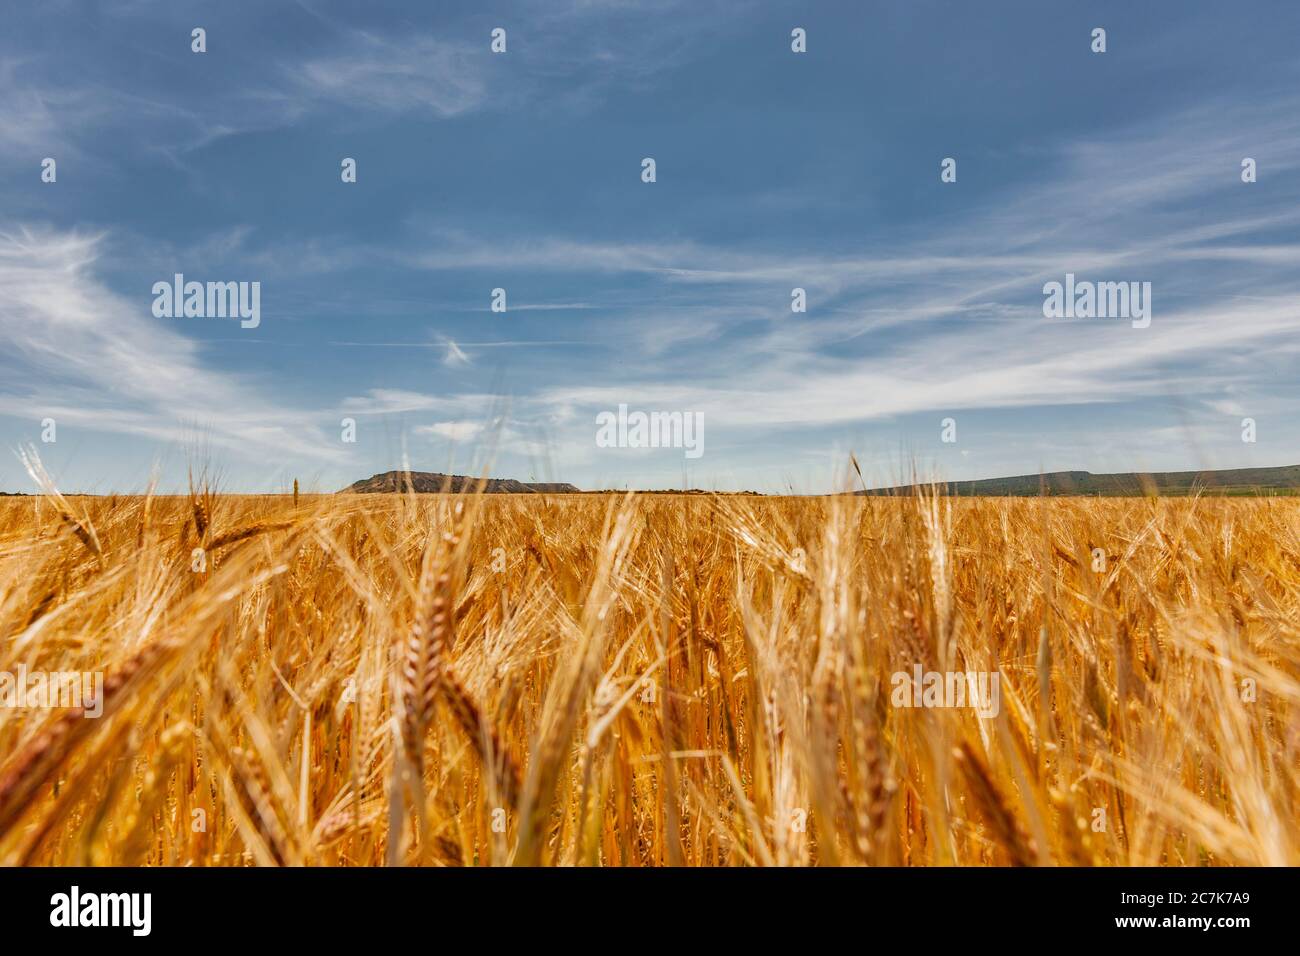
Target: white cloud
{"points": [[395, 401], [454, 356], [455, 431], [953, 321], [74, 350], [410, 74]]}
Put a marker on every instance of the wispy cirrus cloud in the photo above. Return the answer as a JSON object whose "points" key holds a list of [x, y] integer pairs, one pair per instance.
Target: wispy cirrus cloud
{"points": [[356, 69], [420, 74], [396, 401], [73, 350], [453, 355]]}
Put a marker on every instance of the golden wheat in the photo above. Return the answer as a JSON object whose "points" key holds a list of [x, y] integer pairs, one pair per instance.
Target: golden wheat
{"points": [[651, 680]]}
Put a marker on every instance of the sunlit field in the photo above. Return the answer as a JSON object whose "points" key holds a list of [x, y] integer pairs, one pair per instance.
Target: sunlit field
{"points": [[608, 680]]}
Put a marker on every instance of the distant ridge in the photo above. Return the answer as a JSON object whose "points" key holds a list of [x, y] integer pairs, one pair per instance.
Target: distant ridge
{"points": [[1235, 481], [431, 482]]}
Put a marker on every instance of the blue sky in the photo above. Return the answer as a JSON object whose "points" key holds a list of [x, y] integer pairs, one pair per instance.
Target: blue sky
{"points": [[522, 171]]}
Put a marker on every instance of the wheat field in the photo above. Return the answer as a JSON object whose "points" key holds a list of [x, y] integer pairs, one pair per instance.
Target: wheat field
{"points": [[623, 680]]}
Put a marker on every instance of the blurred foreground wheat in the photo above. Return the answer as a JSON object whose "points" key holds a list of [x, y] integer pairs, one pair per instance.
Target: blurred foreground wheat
{"points": [[655, 680]]}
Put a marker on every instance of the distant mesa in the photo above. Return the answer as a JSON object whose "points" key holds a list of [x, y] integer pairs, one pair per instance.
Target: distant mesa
{"points": [[431, 482], [1236, 481]]}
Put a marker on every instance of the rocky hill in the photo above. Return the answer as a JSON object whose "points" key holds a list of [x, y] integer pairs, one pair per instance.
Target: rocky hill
{"points": [[1237, 481], [429, 482]]}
